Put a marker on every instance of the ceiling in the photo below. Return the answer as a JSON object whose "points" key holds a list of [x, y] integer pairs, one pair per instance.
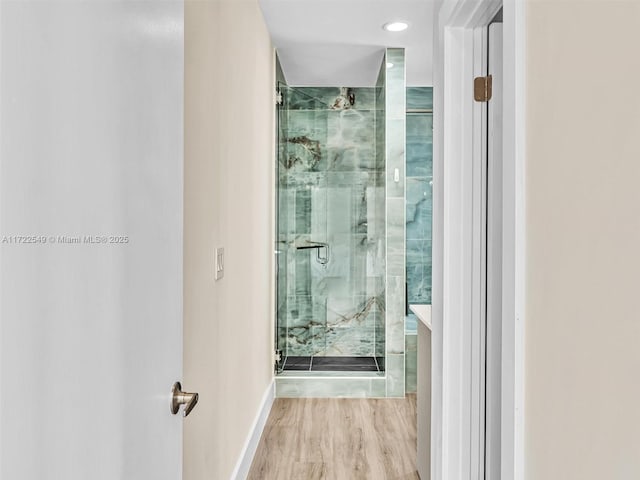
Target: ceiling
{"points": [[341, 42]]}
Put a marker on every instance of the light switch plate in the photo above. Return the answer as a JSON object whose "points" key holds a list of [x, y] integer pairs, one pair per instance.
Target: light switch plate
{"points": [[219, 263]]}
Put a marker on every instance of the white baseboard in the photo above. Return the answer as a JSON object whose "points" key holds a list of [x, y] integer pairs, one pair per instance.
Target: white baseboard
{"points": [[250, 446]]}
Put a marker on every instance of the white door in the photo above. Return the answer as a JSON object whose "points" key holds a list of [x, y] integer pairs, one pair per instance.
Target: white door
{"points": [[91, 148], [494, 257]]}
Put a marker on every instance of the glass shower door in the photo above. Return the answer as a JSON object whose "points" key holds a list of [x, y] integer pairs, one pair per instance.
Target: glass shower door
{"points": [[330, 231], [281, 228], [302, 248]]}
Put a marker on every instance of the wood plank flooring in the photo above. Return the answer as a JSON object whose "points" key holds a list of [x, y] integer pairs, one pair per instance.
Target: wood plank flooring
{"points": [[338, 439]]}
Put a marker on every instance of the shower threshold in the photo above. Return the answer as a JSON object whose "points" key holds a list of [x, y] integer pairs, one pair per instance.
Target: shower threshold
{"points": [[331, 364]]}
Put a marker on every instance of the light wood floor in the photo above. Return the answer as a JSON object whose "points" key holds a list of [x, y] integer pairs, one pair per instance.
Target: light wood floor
{"points": [[338, 438]]}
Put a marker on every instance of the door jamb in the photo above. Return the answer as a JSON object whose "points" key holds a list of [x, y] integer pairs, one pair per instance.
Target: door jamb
{"points": [[458, 385]]}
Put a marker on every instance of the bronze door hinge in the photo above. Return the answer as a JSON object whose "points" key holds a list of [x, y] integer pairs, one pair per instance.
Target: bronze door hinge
{"points": [[482, 88]]}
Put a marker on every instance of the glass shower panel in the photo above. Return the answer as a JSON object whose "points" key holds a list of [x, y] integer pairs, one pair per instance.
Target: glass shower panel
{"points": [[282, 227], [301, 225], [330, 227]]}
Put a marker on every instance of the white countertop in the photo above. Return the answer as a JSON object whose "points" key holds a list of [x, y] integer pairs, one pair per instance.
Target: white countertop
{"points": [[423, 312]]}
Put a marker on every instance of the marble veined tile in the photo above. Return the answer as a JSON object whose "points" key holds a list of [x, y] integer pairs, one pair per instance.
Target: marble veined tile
{"points": [[311, 123], [323, 98], [395, 306], [395, 237], [375, 266], [351, 178], [375, 212], [299, 271], [382, 72], [419, 196], [351, 158], [380, 123], [347, 385], [351, 141], [299, 180], [318, 213], [281, 330], [303, 211], [395, 145], [365, 98], [380, 334], [350, 127], [351, 341], [350, 327], [376, 231], [411, 363], [353, 259], [411, 324], [296, 98], [353, 311], [419, 271], [375, 286], [344, 250], [419, 161], [306, 311], [380, 97], [419, 208], [395, 375], [286, 214], [395, 157], [395, 94], [419, 126], [300, 340], [419, 149], [420, 97], [337, 285]]}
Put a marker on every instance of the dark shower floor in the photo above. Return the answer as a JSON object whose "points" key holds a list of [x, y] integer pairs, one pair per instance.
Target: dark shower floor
{"points": [[331, 364]]}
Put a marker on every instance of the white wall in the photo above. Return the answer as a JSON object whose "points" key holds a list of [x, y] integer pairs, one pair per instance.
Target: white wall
{"points": [[582, 413], [229, 147]]}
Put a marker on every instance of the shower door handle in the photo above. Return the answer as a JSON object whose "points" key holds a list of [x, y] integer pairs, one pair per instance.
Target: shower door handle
{"points": [[319, 258], [317, 246], [178, 397]]}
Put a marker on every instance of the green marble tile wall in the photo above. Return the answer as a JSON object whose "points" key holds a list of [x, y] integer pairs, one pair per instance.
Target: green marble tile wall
{"points": [[419, 206], [419, 213], [395, 100], [331, 224], [411, 362]]}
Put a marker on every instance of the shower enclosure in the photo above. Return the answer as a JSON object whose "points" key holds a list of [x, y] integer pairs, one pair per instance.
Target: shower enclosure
{"points": [[340, 236], [330, 243]]}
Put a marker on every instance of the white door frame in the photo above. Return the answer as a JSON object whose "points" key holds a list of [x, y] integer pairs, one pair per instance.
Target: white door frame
{"points": [[493, 248], [458, 335]]}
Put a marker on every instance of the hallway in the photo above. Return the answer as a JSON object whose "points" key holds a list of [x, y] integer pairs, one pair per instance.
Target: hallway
{"points": [[338, 438]]}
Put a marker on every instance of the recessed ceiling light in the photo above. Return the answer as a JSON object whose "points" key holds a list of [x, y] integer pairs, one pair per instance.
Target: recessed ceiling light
{"points": [[389, 65], [395, 26]]}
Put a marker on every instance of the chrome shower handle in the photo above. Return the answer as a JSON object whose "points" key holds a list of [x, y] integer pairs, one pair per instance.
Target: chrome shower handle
{"points": [[319, 258], [322, 260], [178, 397]]}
